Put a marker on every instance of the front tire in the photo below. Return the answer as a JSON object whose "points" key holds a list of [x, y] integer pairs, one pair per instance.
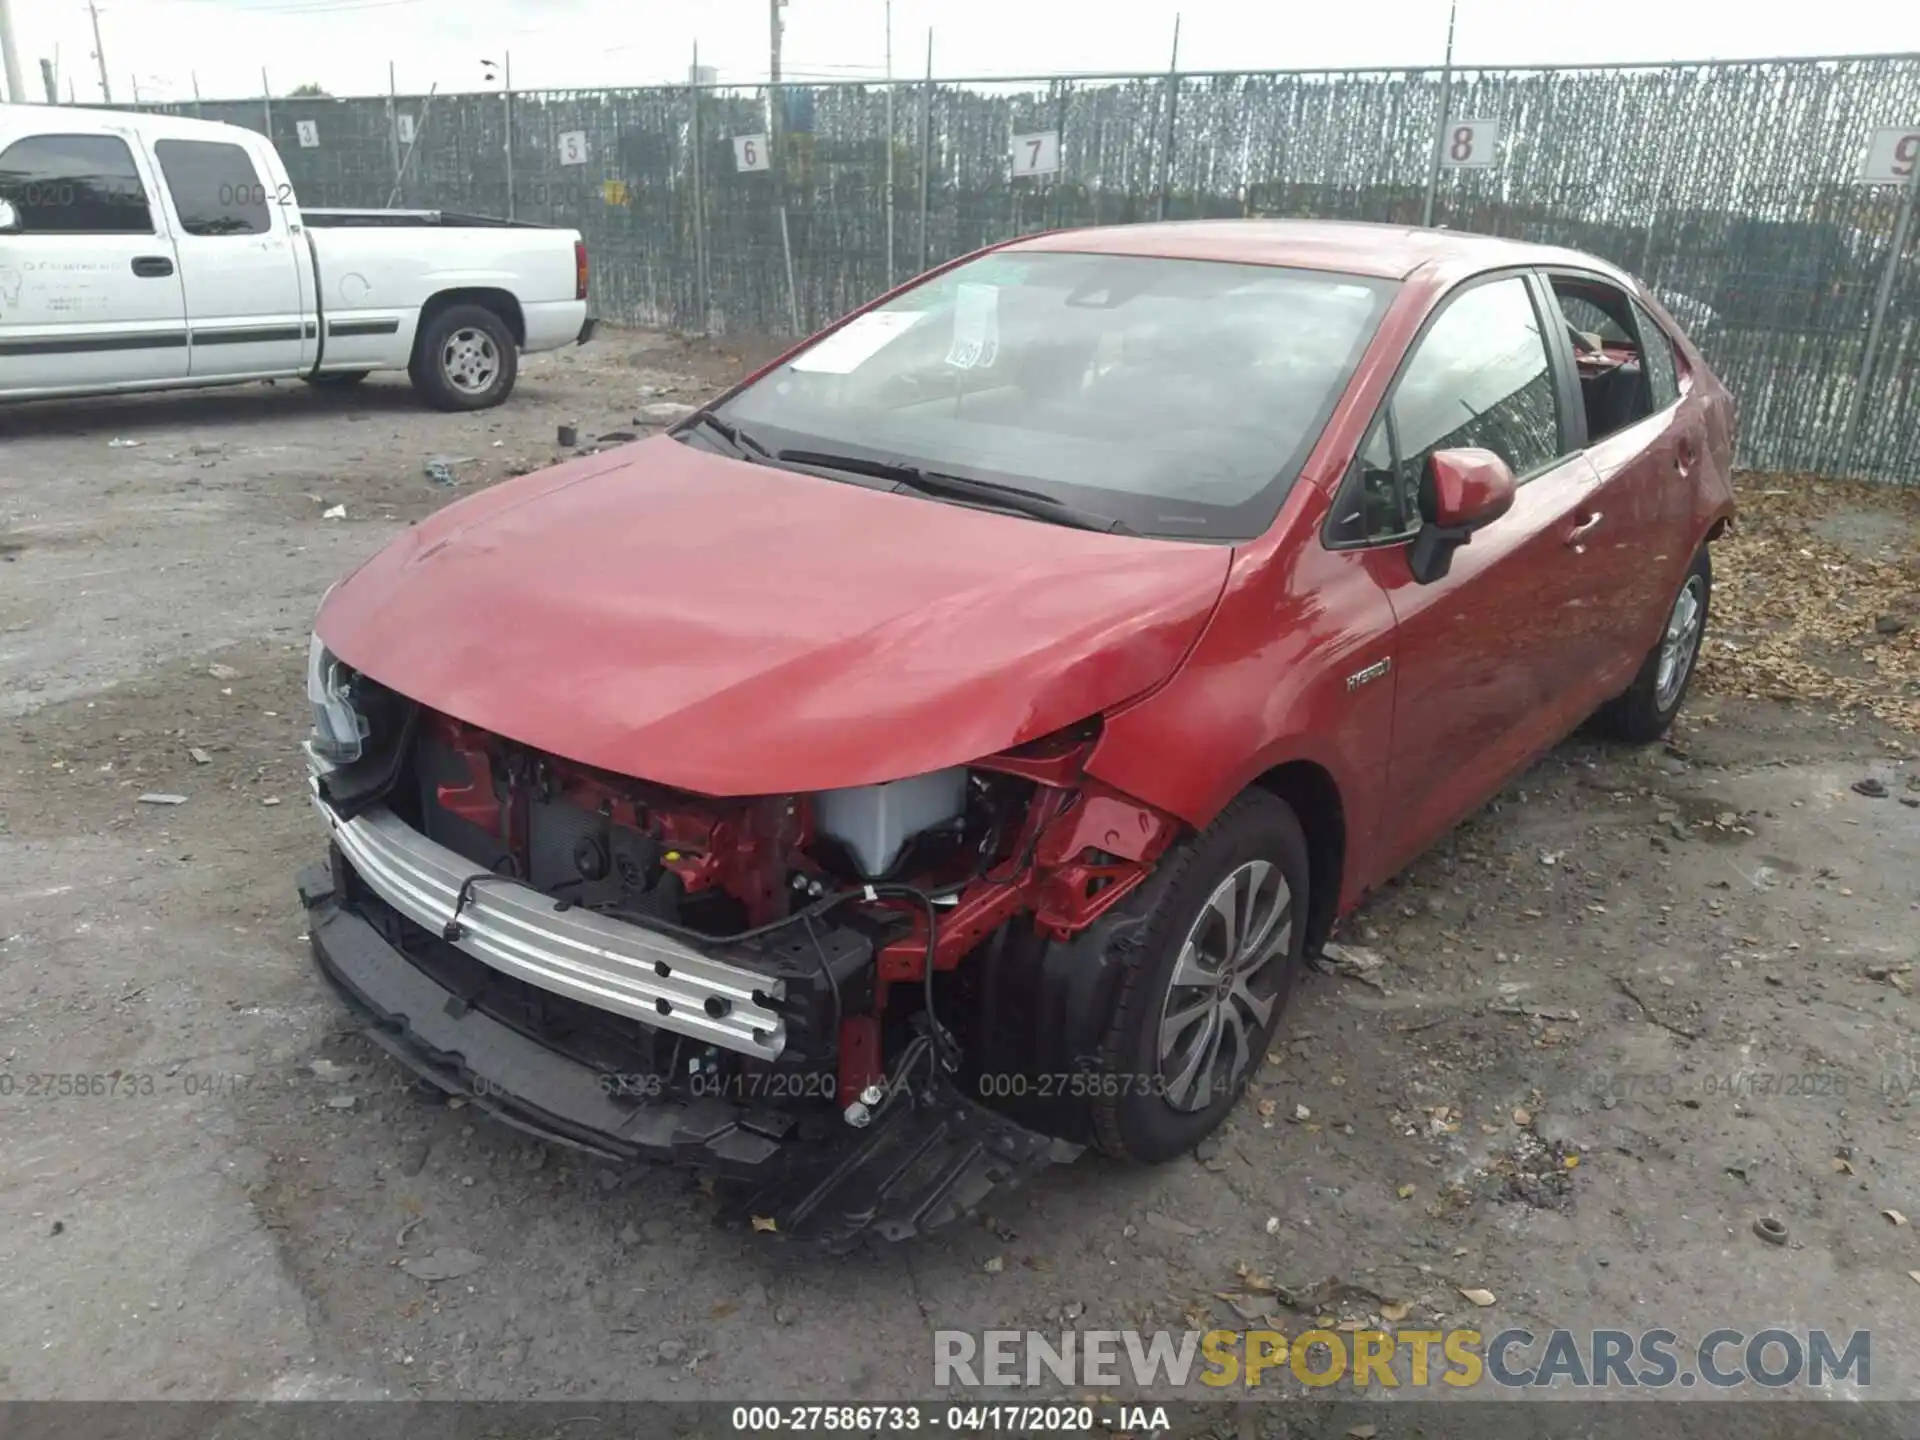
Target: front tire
{"points": [[1139, 1035], [1644, 711], [465, 359]]}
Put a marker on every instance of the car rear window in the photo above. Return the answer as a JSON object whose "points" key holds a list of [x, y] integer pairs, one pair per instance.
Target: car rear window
{"points": [[1178, 396]]}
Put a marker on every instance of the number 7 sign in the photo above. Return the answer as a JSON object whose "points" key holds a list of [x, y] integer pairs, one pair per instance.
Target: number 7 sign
{"points": [[1037, 154], [1470, 144]]}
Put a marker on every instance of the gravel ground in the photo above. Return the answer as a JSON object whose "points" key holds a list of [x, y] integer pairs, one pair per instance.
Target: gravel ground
{"points": [[1637, 1002]]}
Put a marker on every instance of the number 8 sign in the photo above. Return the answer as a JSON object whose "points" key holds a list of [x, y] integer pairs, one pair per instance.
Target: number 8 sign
{"points": [[1470, 144]]}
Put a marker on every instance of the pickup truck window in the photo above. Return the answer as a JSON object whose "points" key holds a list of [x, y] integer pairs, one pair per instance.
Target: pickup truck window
{"points": [[216, 190], [74, 185]]}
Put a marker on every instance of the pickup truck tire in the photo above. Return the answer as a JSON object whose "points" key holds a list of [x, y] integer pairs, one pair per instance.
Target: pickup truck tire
{"points": [[336, 379], [465, 359]]}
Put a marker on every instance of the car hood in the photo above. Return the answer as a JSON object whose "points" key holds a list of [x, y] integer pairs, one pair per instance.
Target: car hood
{"points": [[736, 629]]}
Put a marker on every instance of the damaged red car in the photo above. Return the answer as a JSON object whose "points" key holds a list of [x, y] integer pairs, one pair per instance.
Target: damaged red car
{"points": [[942, 752]]}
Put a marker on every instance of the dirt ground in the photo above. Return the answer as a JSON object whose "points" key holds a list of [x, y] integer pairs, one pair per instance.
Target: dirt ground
{"points": [[1641, 1000]]}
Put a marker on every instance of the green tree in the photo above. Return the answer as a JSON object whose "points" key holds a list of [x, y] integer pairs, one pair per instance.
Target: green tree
{"points": [[305, 91]]}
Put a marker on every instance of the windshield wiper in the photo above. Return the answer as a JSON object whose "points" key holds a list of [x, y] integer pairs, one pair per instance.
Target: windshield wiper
{"points": [[959, 487], [740, 440]]}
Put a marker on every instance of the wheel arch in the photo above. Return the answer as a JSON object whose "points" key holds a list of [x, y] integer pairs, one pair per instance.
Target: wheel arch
{"points": [[503, 303], [1313, 795]]}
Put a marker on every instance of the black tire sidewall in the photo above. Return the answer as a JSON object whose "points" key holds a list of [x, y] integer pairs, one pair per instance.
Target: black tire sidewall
{"points": [[1637, 716], [1137, 1121], [429, 373]]}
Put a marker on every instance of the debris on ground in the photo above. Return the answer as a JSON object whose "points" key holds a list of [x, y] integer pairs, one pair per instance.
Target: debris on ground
{"points": [[1355, 962], [567, 436], [663, 412], [334, 512], [156, 797], [1872, 788], [199, 756], [446, 1263], [119, 444], [439, 468]]}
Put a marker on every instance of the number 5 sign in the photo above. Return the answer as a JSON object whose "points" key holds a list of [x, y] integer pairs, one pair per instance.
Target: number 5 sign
{"points": [[750, 153], [1036, 154], [573, 147], [1891, 156], [1470, 144]]}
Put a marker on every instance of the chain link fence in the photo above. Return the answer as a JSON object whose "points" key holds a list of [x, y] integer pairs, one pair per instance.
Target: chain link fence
{"points": [[1733, 189]]}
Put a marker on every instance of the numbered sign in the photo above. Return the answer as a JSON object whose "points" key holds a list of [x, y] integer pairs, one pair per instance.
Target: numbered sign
{"points": [[309, 133], [573, 148], [1470, 144], [750, 153], [1036, 154], [1891, 156], [405, 124]]}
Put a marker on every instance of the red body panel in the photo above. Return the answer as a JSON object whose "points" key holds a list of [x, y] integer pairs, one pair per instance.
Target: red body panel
{"points": [[734, 629], [731, 629]]}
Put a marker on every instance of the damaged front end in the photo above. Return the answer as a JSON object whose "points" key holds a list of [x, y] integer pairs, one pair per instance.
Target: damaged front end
{"points": [[771, 989]]}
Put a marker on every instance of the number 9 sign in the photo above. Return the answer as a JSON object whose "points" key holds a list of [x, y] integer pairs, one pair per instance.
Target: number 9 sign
{"points": [[1470, 144], [1892, 156]]}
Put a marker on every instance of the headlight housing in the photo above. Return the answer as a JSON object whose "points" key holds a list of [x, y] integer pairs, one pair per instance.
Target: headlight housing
{"points": [[338, 728]]}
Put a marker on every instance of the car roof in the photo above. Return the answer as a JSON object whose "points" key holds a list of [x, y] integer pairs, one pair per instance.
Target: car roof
{"points": [[85, 120], [1351, 247]]}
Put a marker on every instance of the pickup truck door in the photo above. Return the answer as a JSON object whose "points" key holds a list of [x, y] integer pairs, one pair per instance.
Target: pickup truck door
{"points": [[90, 295], [240, 263]]}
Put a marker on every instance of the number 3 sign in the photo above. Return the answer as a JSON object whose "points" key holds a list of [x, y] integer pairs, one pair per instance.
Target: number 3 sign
{"points": [[1470, 144]]}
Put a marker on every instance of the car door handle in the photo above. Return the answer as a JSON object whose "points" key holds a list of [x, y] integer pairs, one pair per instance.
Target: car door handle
{"points": [[152, 267], [1578, 536]]}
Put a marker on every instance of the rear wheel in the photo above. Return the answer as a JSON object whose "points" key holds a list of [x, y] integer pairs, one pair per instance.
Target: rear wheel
{"points": [[465, 359], [1647, 707]]}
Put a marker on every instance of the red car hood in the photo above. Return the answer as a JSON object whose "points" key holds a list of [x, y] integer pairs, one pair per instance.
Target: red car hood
{"points": [[734, 629]]}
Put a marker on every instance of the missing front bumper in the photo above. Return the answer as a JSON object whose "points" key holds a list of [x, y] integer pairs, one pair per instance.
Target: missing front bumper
{"points": [[929, 1157]]}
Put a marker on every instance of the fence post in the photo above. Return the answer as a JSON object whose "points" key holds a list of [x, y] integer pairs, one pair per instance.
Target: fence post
{"points": [[506, 98], [1173, 101], [1881, 297], [926, 147], [701, 295], [1440, 126], [393, 122]]}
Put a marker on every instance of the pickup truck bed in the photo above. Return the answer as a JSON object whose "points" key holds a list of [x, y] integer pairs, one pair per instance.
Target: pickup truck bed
{"points": [[142, 252]]}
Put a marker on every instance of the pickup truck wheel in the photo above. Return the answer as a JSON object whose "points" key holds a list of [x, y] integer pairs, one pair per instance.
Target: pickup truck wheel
{"points": [[466, 359], [1139, 1035], [1643, 713]]}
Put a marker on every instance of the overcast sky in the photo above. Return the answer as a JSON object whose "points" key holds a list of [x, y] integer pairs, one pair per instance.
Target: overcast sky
{"points": [[345, 45]]}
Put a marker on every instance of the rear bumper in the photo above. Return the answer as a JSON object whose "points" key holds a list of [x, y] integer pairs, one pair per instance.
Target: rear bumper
{"points": [[929, 1157]]}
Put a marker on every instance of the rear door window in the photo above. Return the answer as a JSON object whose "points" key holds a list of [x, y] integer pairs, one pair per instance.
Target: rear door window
{"points": [[1663, 373], [216, 190]]}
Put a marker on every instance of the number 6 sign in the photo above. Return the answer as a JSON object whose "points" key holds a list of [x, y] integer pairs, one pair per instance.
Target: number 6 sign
{"points": [[1470, 144], [750, 153], [1037, 154]]}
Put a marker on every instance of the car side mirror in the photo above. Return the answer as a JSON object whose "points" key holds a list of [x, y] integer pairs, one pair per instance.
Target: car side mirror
{"points": [[1461, 491], [9, 218]]}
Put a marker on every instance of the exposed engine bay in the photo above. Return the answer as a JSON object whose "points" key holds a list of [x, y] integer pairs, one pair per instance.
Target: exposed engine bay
{"points": [[857, 907]]}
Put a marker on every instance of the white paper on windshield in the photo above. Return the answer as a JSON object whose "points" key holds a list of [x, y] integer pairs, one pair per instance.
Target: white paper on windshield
{"points": [[976, 327], [857, 341]]}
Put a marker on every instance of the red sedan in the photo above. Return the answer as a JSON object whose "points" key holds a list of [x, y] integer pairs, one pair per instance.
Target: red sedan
{"points": [[951, 742]]}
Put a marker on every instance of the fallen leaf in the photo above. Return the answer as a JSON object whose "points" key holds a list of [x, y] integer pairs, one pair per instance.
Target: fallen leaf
{"points": [[765, 1222], [1266, 1107], [994, 1266], [1363, 1432], [1396, 1310], [722, 1309], [1482, 1298], [1523, 1118], [1841, 1167], [1572, 1162], [1895, 1216], [1406, 1192], [1914, 1275]]}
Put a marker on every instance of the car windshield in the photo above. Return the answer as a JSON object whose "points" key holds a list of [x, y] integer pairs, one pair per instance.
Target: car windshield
{"points": [[1179, 397]]}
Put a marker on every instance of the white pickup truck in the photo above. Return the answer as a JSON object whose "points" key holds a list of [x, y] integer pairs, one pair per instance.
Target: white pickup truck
{"points": [[142, 252]]}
